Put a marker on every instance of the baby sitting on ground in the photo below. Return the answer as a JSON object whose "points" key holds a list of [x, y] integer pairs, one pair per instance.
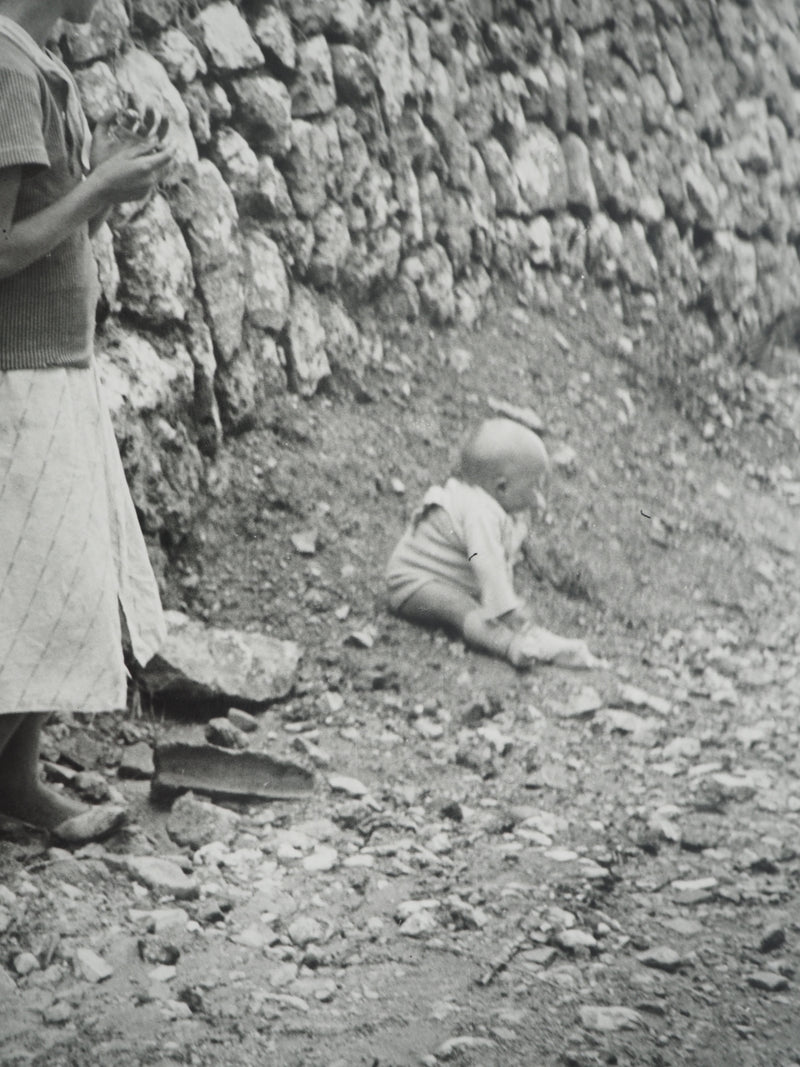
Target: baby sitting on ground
{"points": [[453, 566]]}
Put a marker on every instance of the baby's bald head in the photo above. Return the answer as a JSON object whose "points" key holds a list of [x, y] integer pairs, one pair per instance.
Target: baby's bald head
{"points": [[508, 461]]}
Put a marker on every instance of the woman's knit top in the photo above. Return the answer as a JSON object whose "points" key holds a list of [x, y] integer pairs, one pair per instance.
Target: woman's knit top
{"points": [[46, 309]]}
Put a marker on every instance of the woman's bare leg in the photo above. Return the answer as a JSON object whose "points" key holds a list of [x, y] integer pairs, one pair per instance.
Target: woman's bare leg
{"points": [[22, 793]]}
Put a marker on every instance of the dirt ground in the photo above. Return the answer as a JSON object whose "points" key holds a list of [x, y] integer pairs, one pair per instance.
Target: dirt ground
{"points": [[527, 848]]}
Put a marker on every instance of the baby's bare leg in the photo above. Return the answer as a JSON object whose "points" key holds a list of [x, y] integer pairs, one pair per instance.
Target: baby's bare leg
{"points": [[22, 794], [439, 604]]}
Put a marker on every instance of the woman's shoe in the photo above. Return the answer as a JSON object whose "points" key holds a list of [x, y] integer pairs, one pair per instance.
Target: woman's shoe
{"points": [[92, 825]]}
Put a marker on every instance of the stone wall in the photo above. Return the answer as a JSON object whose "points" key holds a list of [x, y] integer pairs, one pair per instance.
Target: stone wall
{"points": [[345, 161]]}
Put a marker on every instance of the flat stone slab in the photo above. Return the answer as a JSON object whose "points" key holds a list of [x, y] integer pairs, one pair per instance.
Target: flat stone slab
{"points": [[217, 772]]}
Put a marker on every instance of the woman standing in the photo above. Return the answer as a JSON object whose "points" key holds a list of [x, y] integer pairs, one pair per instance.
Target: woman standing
{"points": [[71, 552]]}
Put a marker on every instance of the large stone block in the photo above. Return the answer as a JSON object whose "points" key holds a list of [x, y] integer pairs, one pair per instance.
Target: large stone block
{"points": [[224, 36], [100, 38], [179, 56], [205, 207], [331, 246], [137, 377], [502, 176], [408, 197], [353, 74], [702, 194], [456, 232], [306, 168], [157, 281], [439, 102], [238, 164], [270, 198], [541, 171], [749, 134], [431, 199], [614, 182], [150, 16], [637, 264], [338, 19], [237, 386], [432, 273], [373, 262], [263, 111], [387, 26], [313, 91], [100, 93], [307, 359], [581, 193], [267, 287], [273, 31]]}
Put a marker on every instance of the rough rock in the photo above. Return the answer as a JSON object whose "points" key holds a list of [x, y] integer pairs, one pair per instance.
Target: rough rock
{"points": [[103, 36], [99, 91], [353, 74], [136, 761], [155, 265], [267, 296], [307, 360], [313, 91], [163, 877], [541, 170], [90, 966], [205, 207], [220, 731], [250, 666], [179, 56], [581, 194], [331, 246], [273, 31], [263, 110], [138, 378], [237, 162], [609, 1019], [226, 39], [193, 823], [390, 54], [306, 168]]}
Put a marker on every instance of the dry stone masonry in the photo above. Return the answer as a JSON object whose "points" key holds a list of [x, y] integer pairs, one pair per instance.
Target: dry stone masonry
{"points": [[342, 162]]}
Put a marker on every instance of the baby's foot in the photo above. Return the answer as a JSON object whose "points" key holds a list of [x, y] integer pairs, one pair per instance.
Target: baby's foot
{"points": [[578, 656], [537, 645]]}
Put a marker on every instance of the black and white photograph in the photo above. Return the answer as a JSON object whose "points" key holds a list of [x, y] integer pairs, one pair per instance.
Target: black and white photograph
{"points": [[399, 533]]}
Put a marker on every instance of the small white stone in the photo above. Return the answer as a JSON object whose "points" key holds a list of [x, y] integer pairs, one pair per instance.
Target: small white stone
{"points": [[90, 966], [323, 858], [340, 783], [25, 963]]}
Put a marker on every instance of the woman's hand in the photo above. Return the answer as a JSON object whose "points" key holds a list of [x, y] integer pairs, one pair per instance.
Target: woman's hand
{"points": [[127, 126], [132, 171]]}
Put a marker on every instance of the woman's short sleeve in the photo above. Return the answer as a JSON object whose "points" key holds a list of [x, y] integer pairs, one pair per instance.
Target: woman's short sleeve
{"points": [[21, 121]]}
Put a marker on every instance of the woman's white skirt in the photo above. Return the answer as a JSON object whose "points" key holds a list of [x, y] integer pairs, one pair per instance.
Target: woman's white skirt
{"points": [[71, 550]]}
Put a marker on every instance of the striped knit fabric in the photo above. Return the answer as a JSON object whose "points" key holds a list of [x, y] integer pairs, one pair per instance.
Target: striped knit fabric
{"points": [[47, 309]]}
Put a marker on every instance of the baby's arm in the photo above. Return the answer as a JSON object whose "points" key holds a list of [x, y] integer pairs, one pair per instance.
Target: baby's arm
{"points": [[490, 565]]}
